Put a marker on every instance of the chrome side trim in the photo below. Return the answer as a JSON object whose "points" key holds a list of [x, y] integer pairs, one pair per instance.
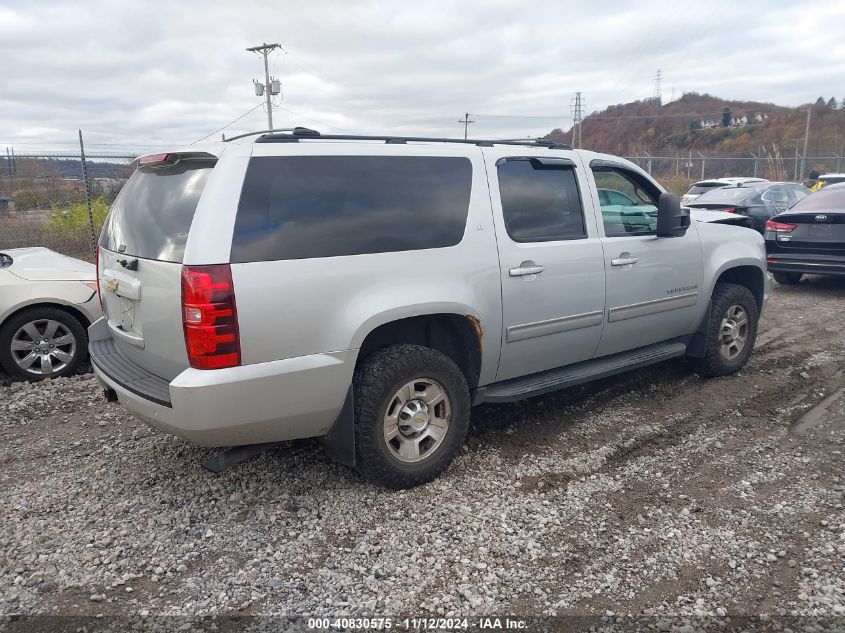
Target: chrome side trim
{"points": [[654, 306], [552, 326]]}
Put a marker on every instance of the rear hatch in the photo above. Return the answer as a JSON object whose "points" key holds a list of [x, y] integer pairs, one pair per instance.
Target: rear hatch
{"points": [[140, 259], [821, 233]]}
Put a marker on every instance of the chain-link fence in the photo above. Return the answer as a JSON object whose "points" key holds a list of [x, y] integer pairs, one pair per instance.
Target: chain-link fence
{"points": [[43, 202], [696, 166], [43, 199]]}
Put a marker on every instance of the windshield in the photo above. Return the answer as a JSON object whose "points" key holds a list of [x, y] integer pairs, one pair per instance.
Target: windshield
{"points": [[153, 213], [823, 200], [726, 195]]}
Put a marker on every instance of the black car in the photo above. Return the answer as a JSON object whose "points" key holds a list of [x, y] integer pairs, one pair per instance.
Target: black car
{"points": [[809, 238], [757, 201]]}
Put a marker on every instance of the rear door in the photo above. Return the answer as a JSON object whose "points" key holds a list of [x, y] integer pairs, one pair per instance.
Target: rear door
{"points": [[551, 263], [140, 260]]}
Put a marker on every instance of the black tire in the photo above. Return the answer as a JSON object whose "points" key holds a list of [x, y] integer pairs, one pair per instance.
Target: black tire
{"points": [[377, 380], [787, 279], [725, 297], [17, 321]]}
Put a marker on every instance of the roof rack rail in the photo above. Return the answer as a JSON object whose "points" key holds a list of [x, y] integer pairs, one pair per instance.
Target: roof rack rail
{"points": [[295, 134], [299, 131]]}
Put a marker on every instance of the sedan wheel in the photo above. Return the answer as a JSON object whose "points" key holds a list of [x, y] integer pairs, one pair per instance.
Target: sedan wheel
{"points": [[42, 342], [43, 347]]}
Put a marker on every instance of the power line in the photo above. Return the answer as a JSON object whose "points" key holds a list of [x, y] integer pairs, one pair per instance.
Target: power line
{"points": [[228, 124]]}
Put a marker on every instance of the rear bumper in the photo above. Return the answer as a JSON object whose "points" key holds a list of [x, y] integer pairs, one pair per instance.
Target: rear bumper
{"points": [[808, 264], [265, 402]]}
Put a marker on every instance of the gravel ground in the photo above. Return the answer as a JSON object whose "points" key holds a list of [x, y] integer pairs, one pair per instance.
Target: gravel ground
{"points": [[656, 495]]}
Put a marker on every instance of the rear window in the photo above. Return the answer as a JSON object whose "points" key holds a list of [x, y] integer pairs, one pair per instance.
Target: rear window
{"points": [[832, 180], [697, 190], [729, 195], [823, 200], [298, 207], [152, 215]]}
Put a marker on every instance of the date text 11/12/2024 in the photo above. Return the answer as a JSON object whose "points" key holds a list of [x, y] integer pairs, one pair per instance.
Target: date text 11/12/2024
{"points": [[417, 624]]}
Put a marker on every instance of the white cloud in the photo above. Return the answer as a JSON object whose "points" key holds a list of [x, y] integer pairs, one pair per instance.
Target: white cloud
{"points": [[147, 72]]}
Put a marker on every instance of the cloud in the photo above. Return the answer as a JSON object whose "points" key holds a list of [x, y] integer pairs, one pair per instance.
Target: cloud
{"points": [[138, 73]]}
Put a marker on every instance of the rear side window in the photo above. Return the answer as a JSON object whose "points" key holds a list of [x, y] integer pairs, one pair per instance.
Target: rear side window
{"points": [[298, 207], [540, 202], [152, 215]]}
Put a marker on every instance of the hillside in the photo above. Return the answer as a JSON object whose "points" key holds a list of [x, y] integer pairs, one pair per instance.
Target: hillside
{"points": [[707, 124]]}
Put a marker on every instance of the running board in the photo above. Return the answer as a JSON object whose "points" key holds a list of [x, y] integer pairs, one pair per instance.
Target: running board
{"points": [[571, 375]]}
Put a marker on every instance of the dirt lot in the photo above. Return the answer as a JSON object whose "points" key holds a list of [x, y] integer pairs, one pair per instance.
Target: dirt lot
{"points": [[657, 495]]}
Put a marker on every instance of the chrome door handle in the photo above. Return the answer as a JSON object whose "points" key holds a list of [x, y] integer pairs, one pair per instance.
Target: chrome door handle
{"points": [[624, 259], [526, 268]]}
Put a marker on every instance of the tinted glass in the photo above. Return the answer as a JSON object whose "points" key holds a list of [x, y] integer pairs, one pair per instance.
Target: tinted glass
{"points": [[152, 214], [823, 200], [697, 190], [298, 207], [629, 209], [726, 195], [540, 203]]}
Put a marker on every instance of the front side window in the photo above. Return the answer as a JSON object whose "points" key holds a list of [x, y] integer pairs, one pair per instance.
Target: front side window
{"points": [[628, 204], [540, 201], [300, 207]]}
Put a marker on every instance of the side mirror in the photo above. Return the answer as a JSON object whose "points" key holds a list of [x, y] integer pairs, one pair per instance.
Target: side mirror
{"points": [[672, 220]]}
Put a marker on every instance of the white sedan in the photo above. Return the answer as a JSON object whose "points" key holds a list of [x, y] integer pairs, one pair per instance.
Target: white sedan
{"points": [[47, 302]]}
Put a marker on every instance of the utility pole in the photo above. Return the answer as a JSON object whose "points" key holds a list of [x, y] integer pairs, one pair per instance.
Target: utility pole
{"points": [[795, 142], [9, 161], [266, 88], [466, 121], [658, 92], [806, 137], [577, 118]]}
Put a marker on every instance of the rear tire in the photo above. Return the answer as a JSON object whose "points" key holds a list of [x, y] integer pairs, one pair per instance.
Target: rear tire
{"points": [[411, 415], [731, 330], [787, 279], [42, 342]]}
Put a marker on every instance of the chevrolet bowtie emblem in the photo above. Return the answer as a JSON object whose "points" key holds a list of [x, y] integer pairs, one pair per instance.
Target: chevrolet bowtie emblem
{"points": [[112, 284]]}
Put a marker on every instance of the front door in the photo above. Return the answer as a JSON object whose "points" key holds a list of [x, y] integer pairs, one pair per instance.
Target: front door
{"points": [[654, 284], [551, 261]]}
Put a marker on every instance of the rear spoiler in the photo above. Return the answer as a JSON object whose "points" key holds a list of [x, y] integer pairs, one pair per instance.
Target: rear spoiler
{"points": [[168, 159]]}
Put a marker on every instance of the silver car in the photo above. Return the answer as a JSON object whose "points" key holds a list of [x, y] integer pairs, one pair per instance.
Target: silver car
{"points": [[370, 290], [47, 301]]}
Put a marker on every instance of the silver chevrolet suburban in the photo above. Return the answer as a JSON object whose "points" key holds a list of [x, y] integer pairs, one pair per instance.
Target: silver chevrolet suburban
{"points": [[370, 290]]}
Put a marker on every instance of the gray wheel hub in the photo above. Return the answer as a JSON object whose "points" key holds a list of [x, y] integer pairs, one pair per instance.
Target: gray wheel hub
{"points": [[733, 332], [417, 420], [43, 347]]}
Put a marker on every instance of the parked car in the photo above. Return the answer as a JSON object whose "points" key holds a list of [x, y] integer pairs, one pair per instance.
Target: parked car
{"points": [[831, 179], [809, 237], [370, 290], [703, 186], [609, 197], [47, 301], [756, 201]]}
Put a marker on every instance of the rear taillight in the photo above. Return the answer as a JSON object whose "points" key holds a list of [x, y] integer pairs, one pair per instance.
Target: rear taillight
{"points": [[209, 317], [779, 227], [730, 210], [97, 264]]}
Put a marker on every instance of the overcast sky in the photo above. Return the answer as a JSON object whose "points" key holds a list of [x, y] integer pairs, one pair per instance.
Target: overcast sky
{"points": [[147, 73]]}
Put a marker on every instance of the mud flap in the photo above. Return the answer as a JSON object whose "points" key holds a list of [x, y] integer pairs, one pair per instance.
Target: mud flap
{"points": [[697, 347], [339, 443]]}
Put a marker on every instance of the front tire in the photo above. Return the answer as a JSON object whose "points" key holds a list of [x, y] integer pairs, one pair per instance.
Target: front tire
{"points": [[731, 330], [411, 415], [787, 279], [42, 342]]}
